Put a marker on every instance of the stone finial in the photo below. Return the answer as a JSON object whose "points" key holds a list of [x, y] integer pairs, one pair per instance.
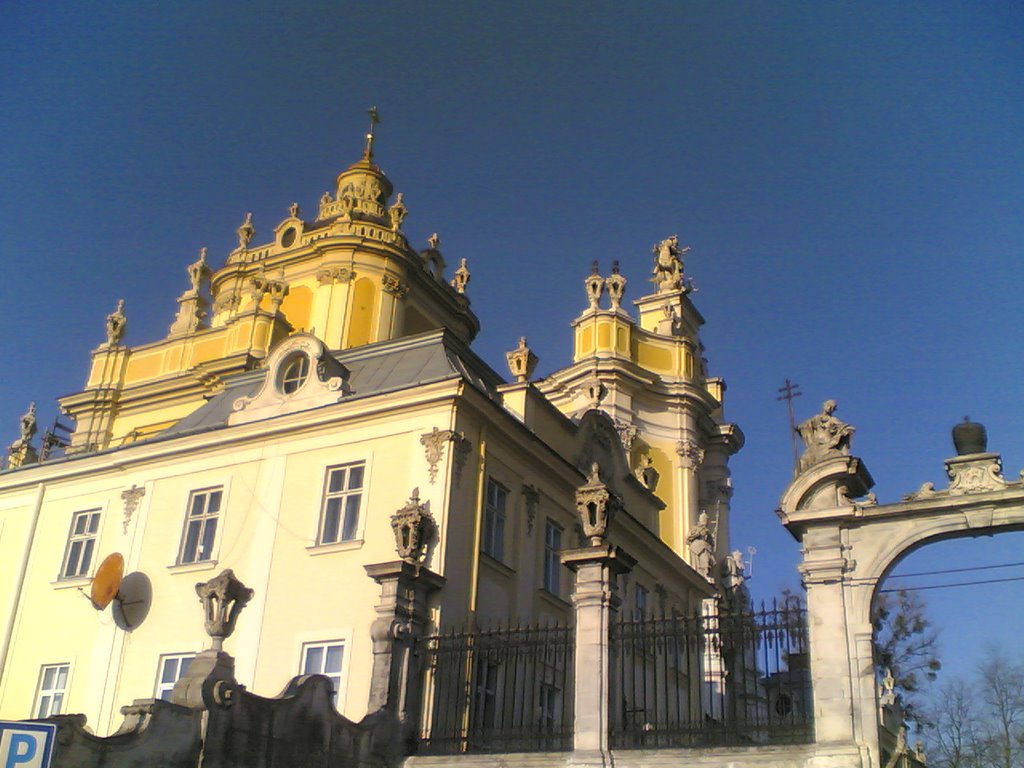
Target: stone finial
{"points": [[595, 285], [461, 277], [521, 361], [434, 242], [596, 506], [293, 210], [667, 274], [701, 541], [824, 437], [969, 437], [223, 598], [116, 324], [413, 526], [246, 231], [615, 284], [397, 213]]}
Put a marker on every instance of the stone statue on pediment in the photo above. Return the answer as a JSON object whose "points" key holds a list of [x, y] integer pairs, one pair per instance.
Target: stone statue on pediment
{"points": [[246, 231], [116, 324], [702, 546], [667, 274], [27, 424], [198, 271], [824, 437]]}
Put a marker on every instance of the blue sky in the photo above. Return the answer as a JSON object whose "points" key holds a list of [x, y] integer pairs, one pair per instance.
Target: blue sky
{"points": [[849, 177]]}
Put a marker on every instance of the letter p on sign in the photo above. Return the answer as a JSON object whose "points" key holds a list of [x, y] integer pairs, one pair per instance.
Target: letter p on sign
{"points": [[26, 745]]}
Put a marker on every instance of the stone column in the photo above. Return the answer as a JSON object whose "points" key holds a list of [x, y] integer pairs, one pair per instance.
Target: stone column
{"points": [[401, 617], [596, 603]]}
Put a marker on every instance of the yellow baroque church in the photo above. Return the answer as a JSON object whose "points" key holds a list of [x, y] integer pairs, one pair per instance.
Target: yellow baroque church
{"points": [[315, 414]]}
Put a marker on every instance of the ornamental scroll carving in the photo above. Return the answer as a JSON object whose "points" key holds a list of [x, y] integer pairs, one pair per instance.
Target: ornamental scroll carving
{"points": [[394, 286], [433, 444], [131, 498], [690, 454], [531, 499], [984, 473], [334, 275]]}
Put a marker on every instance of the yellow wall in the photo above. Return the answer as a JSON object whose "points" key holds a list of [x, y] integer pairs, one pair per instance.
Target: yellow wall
{"points": [[360, 328]]}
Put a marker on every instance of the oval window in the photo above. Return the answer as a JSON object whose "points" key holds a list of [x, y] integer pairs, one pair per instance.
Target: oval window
{"points": [[288, 237], [294, 373]]}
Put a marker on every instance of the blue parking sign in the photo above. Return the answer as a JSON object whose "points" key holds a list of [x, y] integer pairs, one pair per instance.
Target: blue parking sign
{"points": [[26, 745]]}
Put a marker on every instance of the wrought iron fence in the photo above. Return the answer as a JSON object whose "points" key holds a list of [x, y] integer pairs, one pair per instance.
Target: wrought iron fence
{"points": [[714, 679], [500, 690]]}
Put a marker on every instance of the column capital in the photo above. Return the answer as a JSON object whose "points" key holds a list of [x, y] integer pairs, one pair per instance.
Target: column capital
{"points": [[617, 559]]}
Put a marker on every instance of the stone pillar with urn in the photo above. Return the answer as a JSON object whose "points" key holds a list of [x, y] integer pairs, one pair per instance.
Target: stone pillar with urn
{"points": [[596, 602], [402, 616], [213, 671]]}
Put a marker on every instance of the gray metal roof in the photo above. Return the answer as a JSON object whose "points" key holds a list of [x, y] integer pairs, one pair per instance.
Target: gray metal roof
{"points": [[374, 369]]}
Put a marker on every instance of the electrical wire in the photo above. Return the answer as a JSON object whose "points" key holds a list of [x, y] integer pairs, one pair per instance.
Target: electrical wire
{"points": [[957, 584], [934, 573], [956, 570]]}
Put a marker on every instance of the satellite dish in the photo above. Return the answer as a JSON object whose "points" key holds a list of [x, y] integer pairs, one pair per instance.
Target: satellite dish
{"points": [[133, 601], [107, 581], [132, 595]]}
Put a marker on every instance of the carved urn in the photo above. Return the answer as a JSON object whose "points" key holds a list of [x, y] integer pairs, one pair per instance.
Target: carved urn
{"points": [[969, 437]]}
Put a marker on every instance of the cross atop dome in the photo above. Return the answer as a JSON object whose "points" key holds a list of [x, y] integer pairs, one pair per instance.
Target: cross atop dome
{"points": [[374, 119]]}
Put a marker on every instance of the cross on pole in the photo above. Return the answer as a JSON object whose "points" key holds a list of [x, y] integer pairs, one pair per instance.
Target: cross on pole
{"points": [[788, 392], [374, 119]]}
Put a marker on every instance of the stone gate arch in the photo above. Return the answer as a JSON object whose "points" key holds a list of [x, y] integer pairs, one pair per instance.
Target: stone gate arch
{"points": [[850, 543]]}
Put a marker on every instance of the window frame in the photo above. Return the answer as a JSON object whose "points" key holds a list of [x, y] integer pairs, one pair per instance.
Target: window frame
{"points": [[551, 576], [161, 686], [61, 693], [203, 519], [641, 600], [337, 678], [492, 542], [294, 373], [86, 538], [345, 494]]}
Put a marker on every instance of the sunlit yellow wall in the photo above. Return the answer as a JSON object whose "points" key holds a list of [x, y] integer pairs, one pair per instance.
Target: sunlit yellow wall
{"points": [[297, 306], [361, 313]]}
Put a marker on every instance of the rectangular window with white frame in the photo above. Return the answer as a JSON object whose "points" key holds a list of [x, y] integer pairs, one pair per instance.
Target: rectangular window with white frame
{"points": [[201, 521], [53, 685], [552, 559], [343, 498], [493, 543], [325, 658], [172, 668], [81, 544]]}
